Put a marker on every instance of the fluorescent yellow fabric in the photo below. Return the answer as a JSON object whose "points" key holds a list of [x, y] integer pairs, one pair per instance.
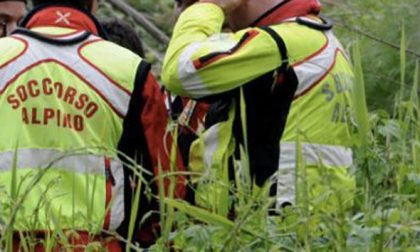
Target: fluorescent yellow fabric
{"points": [[324, 109], [209, 80], [38, 113], [323, 114], [209, 156], [12, 48], [53, 201]]}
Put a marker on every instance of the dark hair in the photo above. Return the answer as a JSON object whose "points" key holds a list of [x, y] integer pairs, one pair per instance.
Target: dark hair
{"points": [[83, 4], [123, 34]]}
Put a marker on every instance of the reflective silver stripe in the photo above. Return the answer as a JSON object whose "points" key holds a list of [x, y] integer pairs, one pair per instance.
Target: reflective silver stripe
{"points": [[117, 203], [211, 145], [68, 55], [187, 72], [80, 162], [313, 154], [313, 70], [188, 75], [286, 190]]}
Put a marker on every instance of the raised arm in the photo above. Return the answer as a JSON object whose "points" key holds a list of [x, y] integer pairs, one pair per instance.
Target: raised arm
{"points": [[201, 61]]}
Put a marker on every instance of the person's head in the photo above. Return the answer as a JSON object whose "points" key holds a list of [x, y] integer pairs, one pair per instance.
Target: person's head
{"points": [[250, 11], [89, 5], [10, 13], [123, 34], [243, 16]]}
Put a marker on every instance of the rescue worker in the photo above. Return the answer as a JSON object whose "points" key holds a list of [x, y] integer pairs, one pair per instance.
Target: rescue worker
{"points": [[281, 53], [11, 12], [77, 112]]}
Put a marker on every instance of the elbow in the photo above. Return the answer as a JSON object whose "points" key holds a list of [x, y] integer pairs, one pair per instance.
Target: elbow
{"points": [[179, 81], [170, 79], [180, 77]]}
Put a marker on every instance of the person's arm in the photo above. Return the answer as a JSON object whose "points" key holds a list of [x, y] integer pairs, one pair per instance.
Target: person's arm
{"points": [[201, 61], [154, 120]]}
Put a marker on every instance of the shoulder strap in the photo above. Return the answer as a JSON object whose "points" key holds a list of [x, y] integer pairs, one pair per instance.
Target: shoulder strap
{"points": [[281, 46], [71, 40], [327, 24]]}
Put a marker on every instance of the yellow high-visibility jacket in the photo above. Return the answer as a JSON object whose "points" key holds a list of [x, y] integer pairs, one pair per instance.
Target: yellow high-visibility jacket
{"points": [[70, 104], [254, 75]]}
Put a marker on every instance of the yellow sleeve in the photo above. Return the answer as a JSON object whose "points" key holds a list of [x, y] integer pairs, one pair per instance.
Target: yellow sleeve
{"points": [[201, 61]]}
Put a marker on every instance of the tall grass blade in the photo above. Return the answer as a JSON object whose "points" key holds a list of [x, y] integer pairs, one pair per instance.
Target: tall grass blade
{"points": [[415, 117], [170, 211], [161, 191], [133, 214], [243, 117], [208, 217], [200, 214], [14, 195], [403, 65], [359, 98], [414, 99]]}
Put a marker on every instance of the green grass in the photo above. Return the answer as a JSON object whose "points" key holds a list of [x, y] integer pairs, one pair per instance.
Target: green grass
{"points": [[385, 217]]}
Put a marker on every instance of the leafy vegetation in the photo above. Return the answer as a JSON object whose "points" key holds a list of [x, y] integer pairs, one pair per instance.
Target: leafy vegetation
{"points": [[386, 214]]}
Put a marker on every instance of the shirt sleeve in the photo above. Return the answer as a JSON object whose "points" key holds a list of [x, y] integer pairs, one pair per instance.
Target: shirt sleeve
{"points": [[202, 61]]}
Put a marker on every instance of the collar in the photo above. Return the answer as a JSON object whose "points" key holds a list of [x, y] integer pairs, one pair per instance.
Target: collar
{"points": [[288, 9], [64, 17]]}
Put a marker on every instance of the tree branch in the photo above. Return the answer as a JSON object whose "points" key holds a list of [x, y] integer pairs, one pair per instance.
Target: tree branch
{"points": [[153, 30], [377, 39]]}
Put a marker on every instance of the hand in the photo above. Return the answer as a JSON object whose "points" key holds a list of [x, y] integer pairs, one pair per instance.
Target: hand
{"points": [[228, 6]]}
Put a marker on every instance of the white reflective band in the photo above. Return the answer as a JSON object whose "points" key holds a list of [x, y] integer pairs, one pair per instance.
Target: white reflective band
{"points": [[187, 72], [211, 144], [286, 190], [78, 162], [312, 71], [68, 56], [315, 154], [117, 203], [188, 75]]}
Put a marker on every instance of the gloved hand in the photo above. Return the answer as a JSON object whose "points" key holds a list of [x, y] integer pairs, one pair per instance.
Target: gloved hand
{"points": [[228, 6]]}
